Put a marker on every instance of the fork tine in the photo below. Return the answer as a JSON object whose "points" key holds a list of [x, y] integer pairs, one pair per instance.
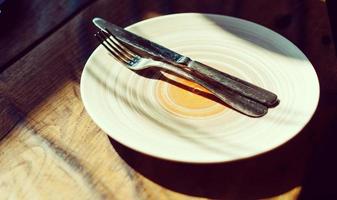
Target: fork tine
{"points": [[122, 47], [103, 40], [117, 47]]}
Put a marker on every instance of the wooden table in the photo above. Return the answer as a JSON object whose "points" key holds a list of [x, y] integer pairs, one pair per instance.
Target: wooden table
{"points": [[51, 149]]}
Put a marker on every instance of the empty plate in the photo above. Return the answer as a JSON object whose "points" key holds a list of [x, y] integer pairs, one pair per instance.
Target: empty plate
{"points": [[165, 116]]}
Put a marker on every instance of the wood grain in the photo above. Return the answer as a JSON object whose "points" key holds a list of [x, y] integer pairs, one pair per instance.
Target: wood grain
{"points": [[25, 23], [9, 116], [51, 149]]}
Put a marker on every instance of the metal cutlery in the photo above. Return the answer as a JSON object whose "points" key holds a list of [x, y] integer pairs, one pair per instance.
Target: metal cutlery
{"points": [[134, 61], [156, 51]]}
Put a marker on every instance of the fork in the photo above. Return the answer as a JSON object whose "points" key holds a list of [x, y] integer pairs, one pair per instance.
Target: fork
{"points": [[136, 62]]}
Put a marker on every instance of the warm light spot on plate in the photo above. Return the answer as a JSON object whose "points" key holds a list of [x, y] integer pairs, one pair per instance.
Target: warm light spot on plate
{"points": [[185, 98]]}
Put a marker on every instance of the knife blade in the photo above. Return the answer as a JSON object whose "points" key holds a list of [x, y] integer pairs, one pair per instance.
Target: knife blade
{"points": [[158, 51]]}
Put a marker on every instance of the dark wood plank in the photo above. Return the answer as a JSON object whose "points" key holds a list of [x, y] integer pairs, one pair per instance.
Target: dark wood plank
{"points": [[332, 9], [60, 57], [24, 24], [9, 116], [321, 175]]}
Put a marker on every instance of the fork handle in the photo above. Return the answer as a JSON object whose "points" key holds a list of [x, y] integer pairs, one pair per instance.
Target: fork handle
{"points": [[235, 84], [238, 102]]}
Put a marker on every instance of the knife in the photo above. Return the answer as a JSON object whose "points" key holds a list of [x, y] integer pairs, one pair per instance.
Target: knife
{"points": [[234, 84]]}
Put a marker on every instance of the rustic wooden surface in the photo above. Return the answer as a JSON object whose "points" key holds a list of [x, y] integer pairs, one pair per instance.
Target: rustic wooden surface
{"points": [[51, 149], [34, 26]]}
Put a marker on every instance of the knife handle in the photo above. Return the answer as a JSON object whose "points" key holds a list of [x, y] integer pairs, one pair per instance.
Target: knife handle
{"points": [[235, 84], [236, 101]]}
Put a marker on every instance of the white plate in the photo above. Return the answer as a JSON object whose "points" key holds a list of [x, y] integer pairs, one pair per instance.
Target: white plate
{"points": [[157, 118]]}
